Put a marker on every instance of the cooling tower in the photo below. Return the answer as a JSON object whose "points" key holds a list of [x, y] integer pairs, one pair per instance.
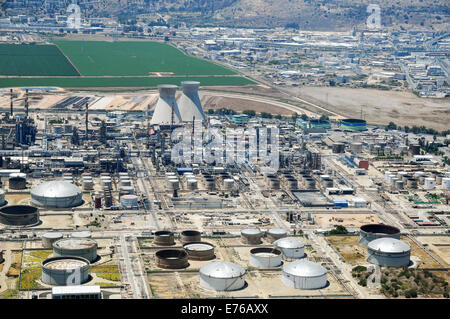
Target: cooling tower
{"points": [[190, 105], [166, 107]]}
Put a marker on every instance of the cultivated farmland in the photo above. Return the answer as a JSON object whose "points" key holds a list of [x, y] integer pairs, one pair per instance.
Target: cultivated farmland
{"points": [[100, 58], [34, 60]]}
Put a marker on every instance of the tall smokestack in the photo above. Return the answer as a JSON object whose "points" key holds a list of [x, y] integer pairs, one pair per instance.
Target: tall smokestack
{"points": [[11, 102], [26, 103], [189, 103], [87, 120], [166, 109]]}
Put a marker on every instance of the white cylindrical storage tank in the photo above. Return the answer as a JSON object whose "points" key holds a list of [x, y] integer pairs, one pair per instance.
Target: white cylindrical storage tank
{"points": [[388, 252], [446, 183], [228, 184], [418, 174], [265, 257], [127, 190], [80, 247], [129, 201], [276, 233], [56, 194], [65, 271], [290, 247], [88, 184], [222, 276], [192, 184], [173, 183], [430, 183], [356, 147], [304, 274], [49, 238], [81, 234], [125, 182]]}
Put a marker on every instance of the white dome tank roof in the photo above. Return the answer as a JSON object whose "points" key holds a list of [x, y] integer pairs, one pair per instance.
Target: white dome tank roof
{"points": [[251, 232], [58, 189], [304, 268], [289, 242], [222, 269], [389, 245]]}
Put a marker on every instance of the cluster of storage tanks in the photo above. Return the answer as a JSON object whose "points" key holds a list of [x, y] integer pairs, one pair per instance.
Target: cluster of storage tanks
{"points": [[384, 247], [71, 258], [429, 181]]}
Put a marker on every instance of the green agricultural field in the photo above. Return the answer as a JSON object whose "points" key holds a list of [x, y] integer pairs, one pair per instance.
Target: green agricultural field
{"points": [[34, 60], [120, 81], [99, 58]]}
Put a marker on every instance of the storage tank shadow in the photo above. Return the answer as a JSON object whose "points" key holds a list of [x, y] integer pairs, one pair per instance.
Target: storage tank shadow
{"points": [[164, 238], [189, 103], [371, 232], [20, 215], [172, 258]]}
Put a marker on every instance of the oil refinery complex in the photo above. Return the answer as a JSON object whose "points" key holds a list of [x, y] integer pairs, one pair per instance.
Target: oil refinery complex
{"points": [[146, 196]]}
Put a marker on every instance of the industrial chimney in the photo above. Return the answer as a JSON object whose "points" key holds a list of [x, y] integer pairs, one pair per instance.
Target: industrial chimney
{"points": [[190, 105], [166, 109]]}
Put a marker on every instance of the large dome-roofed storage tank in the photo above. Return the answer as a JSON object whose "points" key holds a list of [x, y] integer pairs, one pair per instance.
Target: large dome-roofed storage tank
{"points": [[49, 238], [79, 247], [265, 257], [56, 194], [166, 109], [199, 251], [19, 215], [388, 252], [65, 271], [172, 258], [189, 103], [371, 232], [290, 247], [81, 234], [222, 276], [304, 274]]}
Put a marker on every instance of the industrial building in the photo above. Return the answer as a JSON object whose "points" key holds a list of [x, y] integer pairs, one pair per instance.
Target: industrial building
{"points": [[56, 194], [304, 274], [388, 252]]}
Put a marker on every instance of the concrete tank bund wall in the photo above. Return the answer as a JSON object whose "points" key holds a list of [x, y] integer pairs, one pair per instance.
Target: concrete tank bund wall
{"points": [[199, 250], [65, 271], [172, 259], [164, 238], [189, 236], [374, 231], [19, 215]]}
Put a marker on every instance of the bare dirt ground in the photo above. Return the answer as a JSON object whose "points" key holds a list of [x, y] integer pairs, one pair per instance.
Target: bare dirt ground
{"points": [[239, 105], [381, 107]]}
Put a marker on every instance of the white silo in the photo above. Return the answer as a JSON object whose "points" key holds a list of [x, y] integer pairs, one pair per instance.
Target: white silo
{"points": [[291, 247], [189, 104], [304, 274], [222, 276], [166, 109]]}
